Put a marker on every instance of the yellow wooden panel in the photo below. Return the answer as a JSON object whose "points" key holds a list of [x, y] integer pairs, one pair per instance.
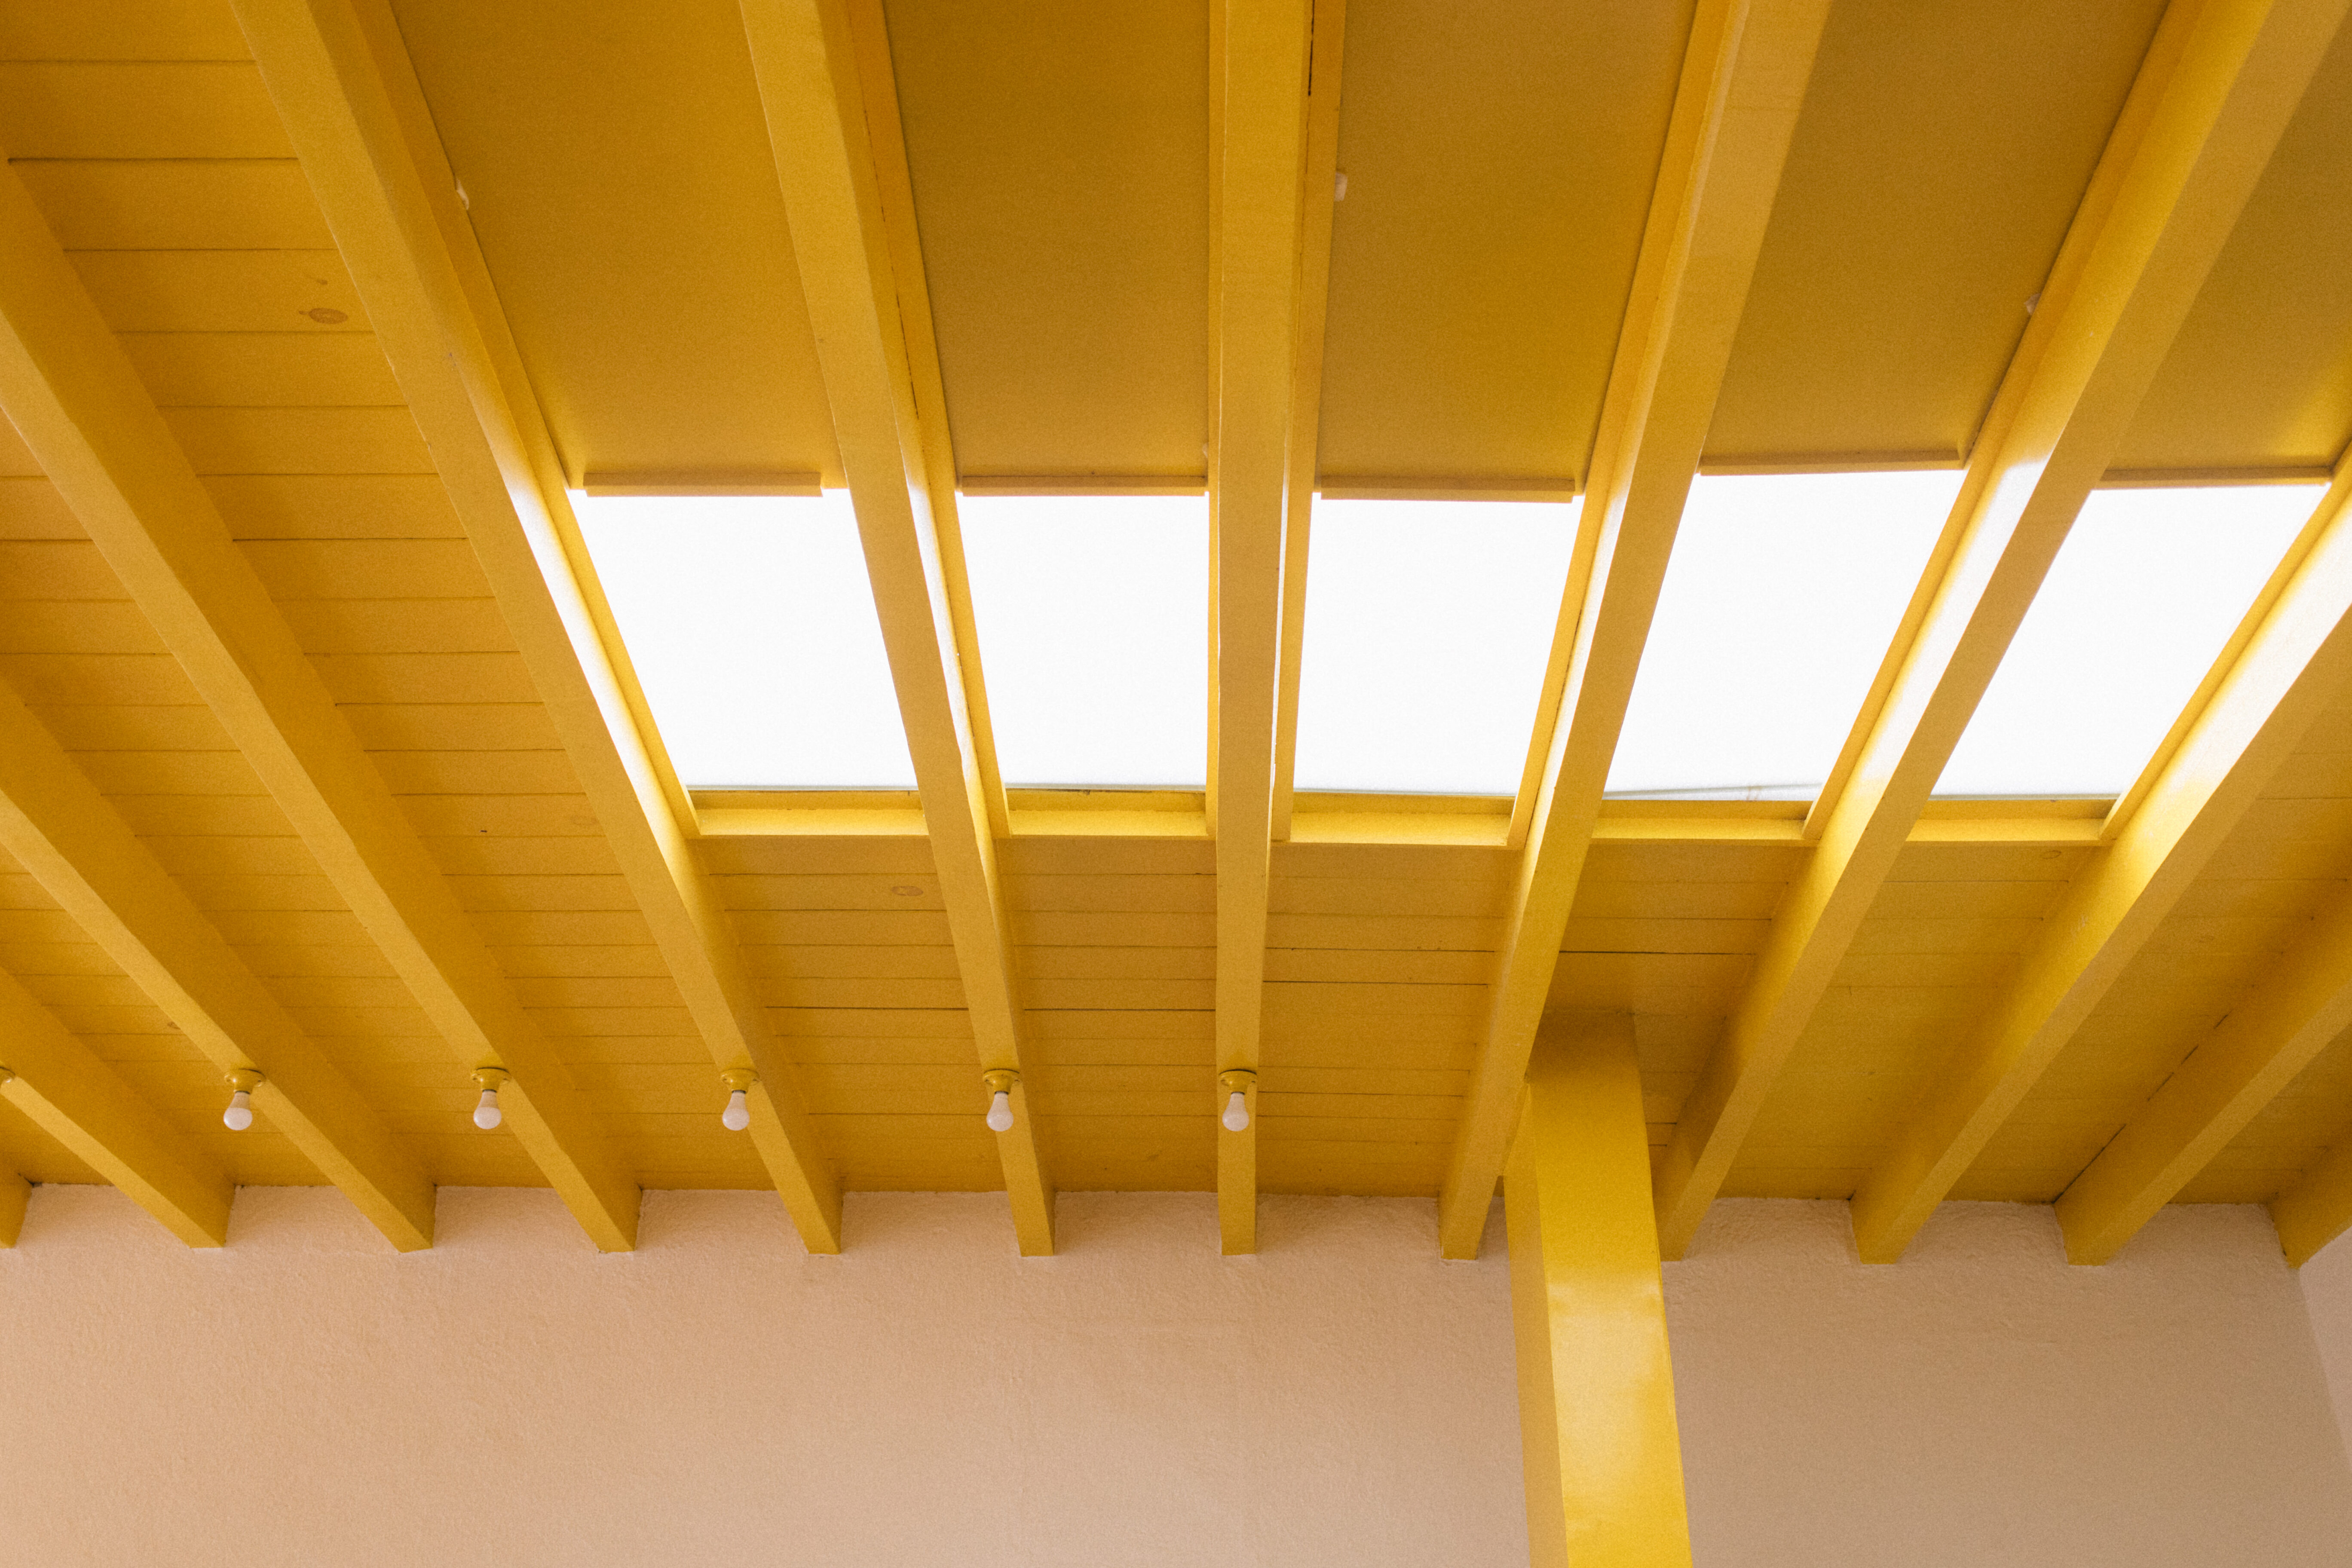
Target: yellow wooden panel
{"points": [[130, 30], [344, 506], [146, 108], [300, 441], [177, 205], [221, 291]]}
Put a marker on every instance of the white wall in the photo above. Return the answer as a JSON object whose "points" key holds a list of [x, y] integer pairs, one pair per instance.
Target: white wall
{"points": [[718, 1397], [2327, 1291]]}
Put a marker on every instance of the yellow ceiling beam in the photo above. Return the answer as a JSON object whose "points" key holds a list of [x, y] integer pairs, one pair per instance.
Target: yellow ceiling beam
{"points": [[1743, 82], [1599, 1439], [1261, 75], [2212, 96], [1328, 23], [81, 409], [2299, 661], [2317, 1209], [350, 101], [71, 1094], [15, 1193], [61, 830], [805, 56]]}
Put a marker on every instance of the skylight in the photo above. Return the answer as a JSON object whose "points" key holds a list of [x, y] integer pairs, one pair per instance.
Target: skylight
{"points": [[1782, 594], [2147, 589], [751, 627], [1093, 617], [1428, 627]]}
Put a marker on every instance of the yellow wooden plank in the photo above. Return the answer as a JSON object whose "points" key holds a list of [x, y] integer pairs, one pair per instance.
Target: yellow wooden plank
{"points": [[70, 1093], [2212, 97], [137, 109], [54, 822], [2272, 693], [176, 204], [1743, 80], [1599, 1439], [806, 58], [1259, 58], [70, 391]]}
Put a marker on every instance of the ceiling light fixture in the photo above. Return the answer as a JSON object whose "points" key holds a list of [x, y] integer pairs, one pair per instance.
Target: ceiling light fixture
{"points": [[999, 1082], [738, 1114], [240, 1114], [487, 1114], [1237, 1083]]}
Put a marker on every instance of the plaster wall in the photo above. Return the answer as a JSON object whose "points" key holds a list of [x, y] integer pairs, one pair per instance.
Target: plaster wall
{"points": [[718, 1397], [2328, 1292]]}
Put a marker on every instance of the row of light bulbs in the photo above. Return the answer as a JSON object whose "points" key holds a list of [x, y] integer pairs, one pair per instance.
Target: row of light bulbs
{"points": [[1000, 1083]]}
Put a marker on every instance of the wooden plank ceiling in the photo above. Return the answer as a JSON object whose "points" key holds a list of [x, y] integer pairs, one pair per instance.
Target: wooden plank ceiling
{"points": [[324, 762]]}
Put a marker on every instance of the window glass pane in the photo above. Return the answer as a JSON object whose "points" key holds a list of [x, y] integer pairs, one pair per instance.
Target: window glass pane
{"points": [[1428, 625], [1093, 615], [1780, 601], [751, 626], [2147, 588]]}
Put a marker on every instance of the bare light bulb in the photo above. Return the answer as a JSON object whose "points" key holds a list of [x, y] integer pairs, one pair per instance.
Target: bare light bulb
{"points": [[738, 1114], [1000, 1112], [486, 1110], [240, 1114], [1236, 1117]]}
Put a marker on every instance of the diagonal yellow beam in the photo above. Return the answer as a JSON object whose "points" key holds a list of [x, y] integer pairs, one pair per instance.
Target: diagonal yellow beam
{"points": [[2299, 662], [1261, 65], [1328, 24], [2251, 1056], [2316, 1209], [810, 79], [349, 96], [61, 830], [2212, 96], [71, 1093], [79, 406], [1743, 82]]}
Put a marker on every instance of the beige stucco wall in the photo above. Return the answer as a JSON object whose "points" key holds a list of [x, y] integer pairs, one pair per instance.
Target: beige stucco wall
{"points": [[718, 1397]]}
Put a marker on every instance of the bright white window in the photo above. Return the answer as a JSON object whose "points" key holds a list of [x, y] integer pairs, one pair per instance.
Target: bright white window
{"points": [[751, 626], [1092, 617], [1781, 597], [1428, 627], [2147, 589]]}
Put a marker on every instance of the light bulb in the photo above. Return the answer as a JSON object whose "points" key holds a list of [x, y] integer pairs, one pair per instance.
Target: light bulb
{"points": [[1236, 1117], [240, 1114], [1000, 1112], [486, 1110], [738, 1114]]}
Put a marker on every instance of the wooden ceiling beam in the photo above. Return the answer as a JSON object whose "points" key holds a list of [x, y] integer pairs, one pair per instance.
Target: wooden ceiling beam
{"points": [[2316, 1209], [68, 1091], [348, 95], [57, 826], [812, 83], [80, 408], [1261, 68], [2211, 98], [1744, 77]]}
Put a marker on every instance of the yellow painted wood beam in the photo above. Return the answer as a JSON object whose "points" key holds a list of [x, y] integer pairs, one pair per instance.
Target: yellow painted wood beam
{"points": [[2212, 96], [350, 101], [69, 1092], [1261, 80], [2316, 1209], [2299, 662], [80, 407], [812, 87], [15, 1193], [1743, 82], [61, 830], [1317, 190], [1597, 1428]]}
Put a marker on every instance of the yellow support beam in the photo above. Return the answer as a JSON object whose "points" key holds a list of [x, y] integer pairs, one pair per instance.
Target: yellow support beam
{"points": [[61, 830], [811, 78], [2299, 661], [1261, 65], [15, 1193], [1317, 185], [1597, 1429], [1744, 75], [72, 1095], [350, 99], [2212, 96], [2251, 1056], [80, 407], [2317, 1209]]}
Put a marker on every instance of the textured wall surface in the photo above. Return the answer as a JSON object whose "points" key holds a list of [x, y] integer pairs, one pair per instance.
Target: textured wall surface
{"points": [[2327, 1291], [718, 1397], [1984, 1402]]}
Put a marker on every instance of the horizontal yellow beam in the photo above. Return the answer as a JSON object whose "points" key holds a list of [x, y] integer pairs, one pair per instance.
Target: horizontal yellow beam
{"points": [[350, 101], [66, 1091]]}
